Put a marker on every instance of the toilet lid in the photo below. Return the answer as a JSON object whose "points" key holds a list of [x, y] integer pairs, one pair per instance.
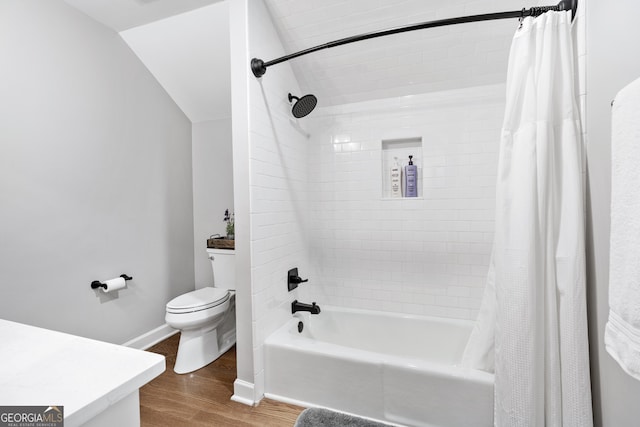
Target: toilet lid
{"points": [[200, 299]]}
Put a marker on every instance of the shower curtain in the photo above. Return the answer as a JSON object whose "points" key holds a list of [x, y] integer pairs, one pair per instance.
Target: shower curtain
{"points": [[532, 325]]}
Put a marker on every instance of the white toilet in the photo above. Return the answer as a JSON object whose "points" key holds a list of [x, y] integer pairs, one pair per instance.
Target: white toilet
{"points": [[206, 317]]}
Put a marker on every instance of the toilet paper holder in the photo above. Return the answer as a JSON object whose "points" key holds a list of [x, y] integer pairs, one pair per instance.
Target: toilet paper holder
{"points": [[98, 284]]}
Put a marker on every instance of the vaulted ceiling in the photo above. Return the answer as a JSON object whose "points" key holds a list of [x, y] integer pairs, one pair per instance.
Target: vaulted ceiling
{"points": [[416, 62], [183, 43], [188, 52], [124, 14]]}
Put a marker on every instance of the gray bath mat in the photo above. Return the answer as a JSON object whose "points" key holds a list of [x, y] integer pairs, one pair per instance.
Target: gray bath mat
{"points": [[316, 417]]}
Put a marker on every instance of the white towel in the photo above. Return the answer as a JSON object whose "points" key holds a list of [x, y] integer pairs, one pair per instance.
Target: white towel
{"points": [[622, 333]]}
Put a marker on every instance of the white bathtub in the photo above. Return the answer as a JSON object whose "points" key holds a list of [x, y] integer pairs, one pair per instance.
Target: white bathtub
{"points": [[393, 368]]}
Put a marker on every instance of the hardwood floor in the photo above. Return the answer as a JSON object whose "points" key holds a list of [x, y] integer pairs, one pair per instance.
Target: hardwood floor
{"points": [[202, 398]]}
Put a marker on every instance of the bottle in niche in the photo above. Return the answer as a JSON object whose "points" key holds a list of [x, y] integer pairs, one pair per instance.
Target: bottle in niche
{"points": [[411, 179], [396, 183]]}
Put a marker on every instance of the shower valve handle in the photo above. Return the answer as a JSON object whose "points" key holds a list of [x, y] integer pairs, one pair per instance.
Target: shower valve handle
{"points": [[293, 280]]}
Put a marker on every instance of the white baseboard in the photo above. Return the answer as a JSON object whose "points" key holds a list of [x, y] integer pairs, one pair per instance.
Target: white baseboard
{"points": [[152, 337], [294, 402], [243, 393]]}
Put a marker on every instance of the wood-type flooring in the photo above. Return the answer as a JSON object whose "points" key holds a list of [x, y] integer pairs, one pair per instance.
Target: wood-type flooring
{"points": [[202, 398]]}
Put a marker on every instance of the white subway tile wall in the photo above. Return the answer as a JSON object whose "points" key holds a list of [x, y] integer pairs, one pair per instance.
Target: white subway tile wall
{"points": [[278, 196], [427, 255]]}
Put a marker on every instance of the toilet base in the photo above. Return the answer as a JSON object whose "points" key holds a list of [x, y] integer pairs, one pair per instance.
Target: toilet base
{"points": [[197, 349]]}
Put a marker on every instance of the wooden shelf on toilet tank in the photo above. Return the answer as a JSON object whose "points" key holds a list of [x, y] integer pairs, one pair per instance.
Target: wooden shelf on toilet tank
{"points": [[221, 243]]}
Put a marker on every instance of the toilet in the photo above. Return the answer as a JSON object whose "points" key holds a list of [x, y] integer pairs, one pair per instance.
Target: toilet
{"points": [[206, 317]]}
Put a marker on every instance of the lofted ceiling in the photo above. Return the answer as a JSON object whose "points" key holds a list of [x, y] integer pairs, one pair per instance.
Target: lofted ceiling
{"points": [[189, 55], [420, 61], [124, 14], [185, 44]]}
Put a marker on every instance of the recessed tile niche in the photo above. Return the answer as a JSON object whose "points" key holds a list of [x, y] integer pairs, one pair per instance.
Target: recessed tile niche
{"points": [[400, 149]]}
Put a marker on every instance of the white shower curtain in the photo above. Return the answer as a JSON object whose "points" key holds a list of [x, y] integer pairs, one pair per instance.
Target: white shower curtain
{"points": [[533, 318]]}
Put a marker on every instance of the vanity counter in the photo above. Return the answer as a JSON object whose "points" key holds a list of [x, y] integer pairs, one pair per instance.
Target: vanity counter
{"points": [[96, 382]]}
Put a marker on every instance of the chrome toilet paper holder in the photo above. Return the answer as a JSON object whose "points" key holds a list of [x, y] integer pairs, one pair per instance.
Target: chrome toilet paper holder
{"points": [[98, 284]]}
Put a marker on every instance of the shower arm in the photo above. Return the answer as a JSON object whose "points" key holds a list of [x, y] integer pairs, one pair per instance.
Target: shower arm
{"points": [[259, 67]]}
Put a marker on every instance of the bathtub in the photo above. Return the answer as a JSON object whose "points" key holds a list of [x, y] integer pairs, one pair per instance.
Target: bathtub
{"points": [[393, 368]]}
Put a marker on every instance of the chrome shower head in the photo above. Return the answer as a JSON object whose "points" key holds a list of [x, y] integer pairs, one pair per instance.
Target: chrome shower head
{"points": [[302, 106]]}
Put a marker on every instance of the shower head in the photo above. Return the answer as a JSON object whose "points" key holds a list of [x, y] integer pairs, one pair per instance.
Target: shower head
{"points": [[302, 106]]}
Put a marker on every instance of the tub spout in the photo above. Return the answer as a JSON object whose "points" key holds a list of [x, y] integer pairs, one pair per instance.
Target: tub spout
{"points": [[300, 306]]}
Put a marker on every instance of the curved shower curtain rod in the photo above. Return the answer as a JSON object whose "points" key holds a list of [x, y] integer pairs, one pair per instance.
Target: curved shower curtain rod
{"points": [[259, 67]]}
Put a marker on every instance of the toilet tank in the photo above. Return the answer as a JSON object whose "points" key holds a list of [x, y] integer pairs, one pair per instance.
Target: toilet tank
{"points": [[223, 264]]}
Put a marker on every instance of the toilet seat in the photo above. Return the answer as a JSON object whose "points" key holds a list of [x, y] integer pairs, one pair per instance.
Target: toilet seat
{"points": [[198, 300]]}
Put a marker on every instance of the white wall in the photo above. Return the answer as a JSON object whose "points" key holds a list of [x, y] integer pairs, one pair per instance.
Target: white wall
{"points": [[95, 177], [278, 174], [428, 255], [612, 62], [212, 162], [269, 154]]}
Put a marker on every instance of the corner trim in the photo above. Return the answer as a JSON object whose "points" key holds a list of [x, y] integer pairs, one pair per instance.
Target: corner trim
{"points": [[243, 393]]}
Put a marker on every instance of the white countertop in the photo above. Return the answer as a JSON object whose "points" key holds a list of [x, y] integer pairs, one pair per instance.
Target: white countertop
{"points": [[43, 367]]}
